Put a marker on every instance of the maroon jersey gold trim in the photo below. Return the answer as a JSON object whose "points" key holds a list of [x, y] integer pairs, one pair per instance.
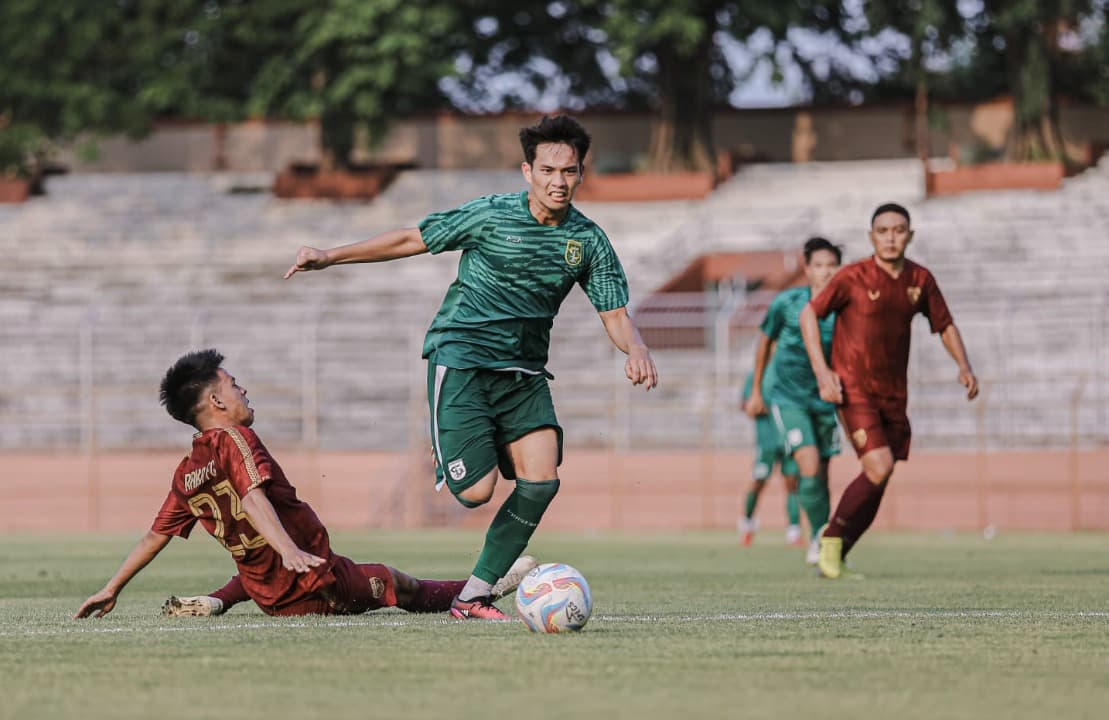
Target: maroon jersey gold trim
{"points": [[874, 313], [224, 465]]}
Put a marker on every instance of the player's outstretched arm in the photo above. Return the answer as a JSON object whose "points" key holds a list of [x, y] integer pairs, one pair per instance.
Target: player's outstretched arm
{"points": [[831, 389], [264, 518], [953, 343], [391, 245], [639, 368], [145, 550]]}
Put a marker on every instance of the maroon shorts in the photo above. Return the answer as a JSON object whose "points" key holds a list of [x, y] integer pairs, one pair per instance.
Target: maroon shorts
{"points": [[358, 588], [872, 422]]}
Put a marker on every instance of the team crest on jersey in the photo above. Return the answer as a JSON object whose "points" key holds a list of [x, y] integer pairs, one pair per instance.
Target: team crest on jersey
{"points": [[914, 295], [457, 469], [573, 253], [873, 294], [377, 587], [859, 436]]}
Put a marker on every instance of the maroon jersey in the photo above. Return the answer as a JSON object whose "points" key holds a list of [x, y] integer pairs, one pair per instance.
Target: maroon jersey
{"points": [[224, 465], [874, 313]]}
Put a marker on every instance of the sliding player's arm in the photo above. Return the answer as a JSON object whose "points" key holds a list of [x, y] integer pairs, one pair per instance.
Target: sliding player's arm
{"points": [[264, 518], [391, 245], [140, 556]]}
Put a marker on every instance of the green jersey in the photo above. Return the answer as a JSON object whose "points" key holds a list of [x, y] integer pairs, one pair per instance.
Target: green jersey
{"points": [[796, 386], [513, 275]]}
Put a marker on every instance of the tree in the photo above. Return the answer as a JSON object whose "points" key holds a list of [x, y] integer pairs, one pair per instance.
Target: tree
{"points": [[358, 62], [667, 55], [1030, 34], [931, 27]]}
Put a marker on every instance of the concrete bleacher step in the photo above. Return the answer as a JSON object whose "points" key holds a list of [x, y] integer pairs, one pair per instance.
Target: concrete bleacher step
{"points": [[137, 268]]}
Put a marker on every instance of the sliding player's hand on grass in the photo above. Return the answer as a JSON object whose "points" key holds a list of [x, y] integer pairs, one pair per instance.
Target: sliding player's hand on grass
{"points": [[300, 561], [101, 604]]}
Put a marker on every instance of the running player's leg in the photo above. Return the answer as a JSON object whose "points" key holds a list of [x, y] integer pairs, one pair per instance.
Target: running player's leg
{"points": [[799, 439], [768, 452], [879, 466], [790, 479], [534, 463], [463, 438], [860, 500], [527, 446]]}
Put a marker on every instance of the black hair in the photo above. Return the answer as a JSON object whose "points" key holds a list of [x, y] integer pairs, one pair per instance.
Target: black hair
{"points": [[816, 244], [186, 380], [557, 129], [891, 207]]}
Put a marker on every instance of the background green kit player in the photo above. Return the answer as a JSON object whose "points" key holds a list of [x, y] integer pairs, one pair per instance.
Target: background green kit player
{"points": [[806, 423], [491, 409], [769, 451]]}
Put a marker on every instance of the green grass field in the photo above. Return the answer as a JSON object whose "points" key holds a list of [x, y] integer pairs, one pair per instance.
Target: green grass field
{"points": [[687, 626]]}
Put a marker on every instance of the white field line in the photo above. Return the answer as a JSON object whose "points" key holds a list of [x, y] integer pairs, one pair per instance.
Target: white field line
{"points": [[79, 627]]}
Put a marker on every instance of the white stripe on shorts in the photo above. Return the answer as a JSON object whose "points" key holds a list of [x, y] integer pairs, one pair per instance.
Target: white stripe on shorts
{"points": [[440, 373]]}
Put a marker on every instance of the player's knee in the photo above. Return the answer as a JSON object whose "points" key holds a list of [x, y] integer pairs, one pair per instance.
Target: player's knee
{"points": [[480, 492], [879, 471], [538, 491], [811, 488]]}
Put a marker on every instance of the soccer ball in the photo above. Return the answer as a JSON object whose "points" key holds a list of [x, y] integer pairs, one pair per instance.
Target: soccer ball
{"points": [[552, 598]]}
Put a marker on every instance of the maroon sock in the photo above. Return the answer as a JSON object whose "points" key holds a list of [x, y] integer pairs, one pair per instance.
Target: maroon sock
{"points": [[433, 596], [856, 497], [860, 523], [231, 594]]}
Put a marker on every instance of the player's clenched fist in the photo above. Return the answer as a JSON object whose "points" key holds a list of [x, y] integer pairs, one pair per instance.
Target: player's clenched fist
{"points": [[308, 258]]}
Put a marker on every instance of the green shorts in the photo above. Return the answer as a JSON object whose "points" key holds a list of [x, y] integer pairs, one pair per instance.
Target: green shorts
{"points": [[802, 428], [770, 451], [475, 413]]}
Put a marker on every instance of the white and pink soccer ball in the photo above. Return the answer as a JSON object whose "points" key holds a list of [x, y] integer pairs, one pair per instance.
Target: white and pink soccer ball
{"points": [[554, 598]]}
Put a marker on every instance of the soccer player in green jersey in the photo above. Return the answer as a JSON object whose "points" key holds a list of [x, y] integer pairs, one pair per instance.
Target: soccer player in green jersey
{"points": [[806, 423], [769, 451], [491, 409]]}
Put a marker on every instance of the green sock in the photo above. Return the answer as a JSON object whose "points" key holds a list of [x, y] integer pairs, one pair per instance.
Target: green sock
{"points": [[814, 498], [793, 508], [749, 504], [512, 527]]}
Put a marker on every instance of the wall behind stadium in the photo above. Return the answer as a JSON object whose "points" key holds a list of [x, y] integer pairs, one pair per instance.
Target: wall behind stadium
{"points": [[452, 141], [601, 491]]}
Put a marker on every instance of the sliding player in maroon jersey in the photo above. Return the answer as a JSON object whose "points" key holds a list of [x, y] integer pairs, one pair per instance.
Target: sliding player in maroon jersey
{"points": [[232, 485], [874, 301]]}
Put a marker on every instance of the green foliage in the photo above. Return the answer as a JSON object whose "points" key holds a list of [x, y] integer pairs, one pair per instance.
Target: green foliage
{"points": [[358, 61], [23, 148]]}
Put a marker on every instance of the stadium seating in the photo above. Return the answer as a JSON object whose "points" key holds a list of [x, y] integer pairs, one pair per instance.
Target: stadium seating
{"points": [[110, 277]]}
